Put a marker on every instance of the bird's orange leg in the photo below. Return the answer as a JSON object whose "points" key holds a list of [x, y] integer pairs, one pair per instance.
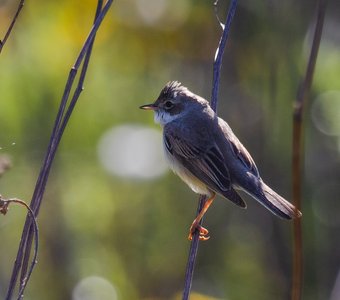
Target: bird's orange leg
{"points": [[203, 232]]}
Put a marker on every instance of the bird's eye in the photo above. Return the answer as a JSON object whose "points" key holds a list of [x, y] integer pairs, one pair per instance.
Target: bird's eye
{"points": [[168, 105]]}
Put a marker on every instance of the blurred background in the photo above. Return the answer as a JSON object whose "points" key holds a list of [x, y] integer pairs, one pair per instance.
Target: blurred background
{"points": [[114, 220]]}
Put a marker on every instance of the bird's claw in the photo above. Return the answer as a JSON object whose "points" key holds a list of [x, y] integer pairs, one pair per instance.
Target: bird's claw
{"points": [[203, 232]]}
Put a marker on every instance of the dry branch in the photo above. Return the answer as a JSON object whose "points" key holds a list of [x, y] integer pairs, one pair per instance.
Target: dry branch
{"points": [[9, 30], [4, 204], [216, 79], [297, 157], [63, 115]]}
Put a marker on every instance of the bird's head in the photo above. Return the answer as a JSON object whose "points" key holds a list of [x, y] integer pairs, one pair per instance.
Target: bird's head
{"points": [[173, 101]]}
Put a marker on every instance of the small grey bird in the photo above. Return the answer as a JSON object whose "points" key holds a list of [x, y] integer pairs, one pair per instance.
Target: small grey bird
{"points": [[204, 152]]}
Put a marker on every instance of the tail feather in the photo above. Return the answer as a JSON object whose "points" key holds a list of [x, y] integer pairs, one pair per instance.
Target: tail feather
{"points": [[233, 196], [275, 203]]}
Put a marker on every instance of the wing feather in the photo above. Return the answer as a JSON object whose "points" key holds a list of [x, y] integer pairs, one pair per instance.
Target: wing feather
{"points": [[206, 164], [238, 149]]}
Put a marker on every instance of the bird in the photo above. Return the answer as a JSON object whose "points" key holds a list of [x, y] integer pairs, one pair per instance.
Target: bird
{"points": [[203, 151]]}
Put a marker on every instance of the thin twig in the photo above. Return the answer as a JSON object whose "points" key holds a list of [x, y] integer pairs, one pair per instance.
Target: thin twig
{"points": [[62, 122], [216, 79], [219, 54], [9, 30], [4, 203], [62, 118], [297, 158], [189, 273]]}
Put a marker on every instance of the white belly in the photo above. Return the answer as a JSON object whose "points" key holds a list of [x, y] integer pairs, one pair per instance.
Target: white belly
{"points": [[192, 181]]}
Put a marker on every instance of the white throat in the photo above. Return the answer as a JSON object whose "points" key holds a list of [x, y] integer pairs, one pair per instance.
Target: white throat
{"points": [[162, 117]]}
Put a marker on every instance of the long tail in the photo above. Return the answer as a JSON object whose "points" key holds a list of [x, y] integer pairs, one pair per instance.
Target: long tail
{"points": [[275, 203]]}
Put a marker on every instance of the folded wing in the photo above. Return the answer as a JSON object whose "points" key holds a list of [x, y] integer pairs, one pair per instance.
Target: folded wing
{"points": [[205, 163]]}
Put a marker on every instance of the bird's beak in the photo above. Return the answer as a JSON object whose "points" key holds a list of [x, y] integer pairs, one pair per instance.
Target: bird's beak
{"points": [[148, 107]]}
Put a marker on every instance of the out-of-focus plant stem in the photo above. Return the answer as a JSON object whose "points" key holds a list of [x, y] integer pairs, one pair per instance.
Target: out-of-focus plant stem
{"points": [[297, 158]]}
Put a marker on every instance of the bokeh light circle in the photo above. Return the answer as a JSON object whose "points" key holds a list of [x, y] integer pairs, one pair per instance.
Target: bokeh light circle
{"points": [[326, 113], [160, 14], [151, 11], [94, 288], [326, 204], [132, 151]]}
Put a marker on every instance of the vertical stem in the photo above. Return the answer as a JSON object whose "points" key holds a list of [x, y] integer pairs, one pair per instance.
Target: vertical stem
{"points": [[297, 159], [219, 54], [297, 226], [216, 79], [192, 254]]}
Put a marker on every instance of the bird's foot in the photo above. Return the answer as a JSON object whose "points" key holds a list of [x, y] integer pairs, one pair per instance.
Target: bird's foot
{"points": [[203, 232]]}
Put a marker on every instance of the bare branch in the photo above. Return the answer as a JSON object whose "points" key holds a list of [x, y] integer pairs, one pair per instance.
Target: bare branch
{"points": [[9, 30], [219, 54], [297, 157], [4, 203], [21, 262], [189, 273], [214, 98]]}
